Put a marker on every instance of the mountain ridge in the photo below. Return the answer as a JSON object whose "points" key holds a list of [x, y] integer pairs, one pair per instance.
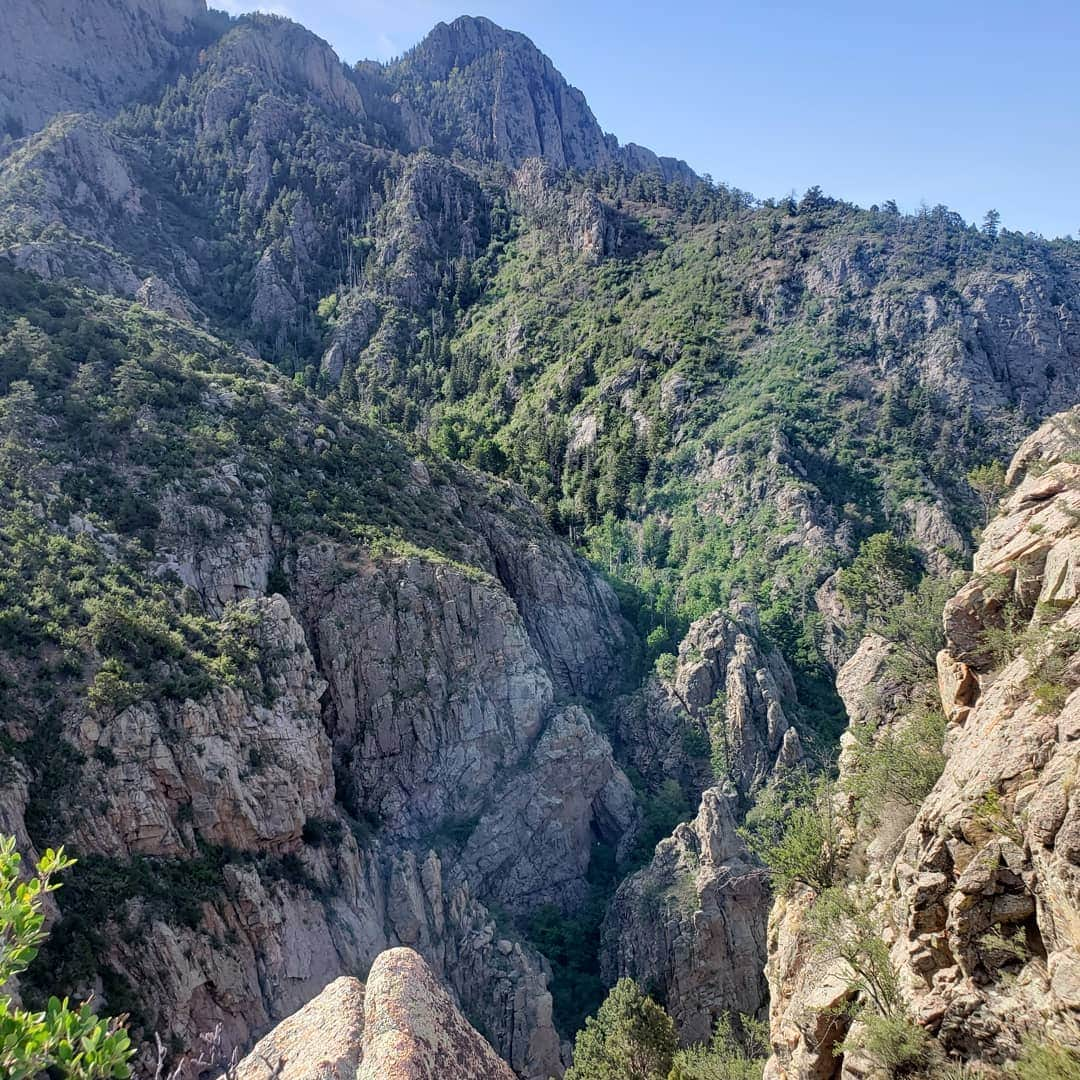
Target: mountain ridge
{"points": [[416, 507]]}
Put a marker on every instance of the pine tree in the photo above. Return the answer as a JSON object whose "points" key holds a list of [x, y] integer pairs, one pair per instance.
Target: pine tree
{"points": [[630, 1038]]}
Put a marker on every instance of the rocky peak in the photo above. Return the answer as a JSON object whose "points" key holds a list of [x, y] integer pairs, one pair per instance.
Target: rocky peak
{"points": [[276, 54], [402, 1026], [510, 103], [692, 923], [86, 55]]}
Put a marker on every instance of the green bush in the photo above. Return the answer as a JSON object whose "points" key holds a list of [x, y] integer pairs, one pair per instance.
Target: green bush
{"points": [[72, 1042], [897, 1045], [1047, 1060], [630, 1038], [891, 766], [843, 926], [791, 829], [727, 1056]]}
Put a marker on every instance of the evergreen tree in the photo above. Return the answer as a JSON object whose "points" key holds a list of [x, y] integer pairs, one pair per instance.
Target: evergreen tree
{"points": [[630, 1038]]}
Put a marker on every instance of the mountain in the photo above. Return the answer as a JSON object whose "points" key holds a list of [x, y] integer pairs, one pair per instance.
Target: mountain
{"points": [[491, 94], [429, 524], [68, 56]]}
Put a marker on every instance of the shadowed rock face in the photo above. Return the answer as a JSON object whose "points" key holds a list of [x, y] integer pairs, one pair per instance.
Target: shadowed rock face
{"points": [[85, 55], [402, 1026]]}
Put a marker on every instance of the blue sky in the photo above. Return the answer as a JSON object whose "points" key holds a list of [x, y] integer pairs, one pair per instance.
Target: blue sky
{"points": [[975, 105]]}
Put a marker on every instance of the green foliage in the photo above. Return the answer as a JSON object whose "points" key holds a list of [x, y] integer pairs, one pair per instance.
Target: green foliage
{"points": [[791, 829], [572, 944], [881, 573], [630, 1038], [913, 624], [843, 926], [665, 666], [728, 1055], [988, 483], [664, 808], [897, 1045], [1046, 1060], [73, 1042], [897, 765]]}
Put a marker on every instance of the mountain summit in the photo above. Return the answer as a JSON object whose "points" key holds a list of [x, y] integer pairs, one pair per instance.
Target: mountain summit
{"points": [[493, 94]]}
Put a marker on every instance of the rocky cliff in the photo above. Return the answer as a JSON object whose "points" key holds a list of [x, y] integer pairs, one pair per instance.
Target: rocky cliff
{"points": [[536, 113], [401, 1026], [975, 898], [94, 56]]}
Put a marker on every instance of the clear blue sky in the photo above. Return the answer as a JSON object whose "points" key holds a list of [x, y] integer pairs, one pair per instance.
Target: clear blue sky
{"points": [[975, 105]]}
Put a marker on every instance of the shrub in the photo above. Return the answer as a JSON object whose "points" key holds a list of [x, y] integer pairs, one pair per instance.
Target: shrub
{"points": [[897, 1045], [1046, 1061], [630, 1038], [842, 925], [665, 666], [73, 1042], [884, 569], [791, 829], [895, 766], [726, 1056]]}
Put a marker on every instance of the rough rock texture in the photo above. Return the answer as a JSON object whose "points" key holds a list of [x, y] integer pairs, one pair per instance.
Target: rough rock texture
{"points": [[723, 670], [434, 683], [577, 220], [321, 1041], [692, 923], [226, 769], [723, 655], [536, 113], [402, 1026], [85, 55], [534, 846], [979, 896], [319, 813], [223, 556], [413, 1030]]}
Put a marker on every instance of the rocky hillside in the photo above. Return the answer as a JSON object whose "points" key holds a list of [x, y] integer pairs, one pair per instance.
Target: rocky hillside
{"points": [[427, 523], [70, 56], [954, 932]]}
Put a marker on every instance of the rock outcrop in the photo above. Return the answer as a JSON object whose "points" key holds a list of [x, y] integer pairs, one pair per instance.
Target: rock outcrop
{"points": [[86, 55], [535, 844], [413, 1030], [402, 1026], [691, 925], [536, 113], [978, 896], [321, 1041], [730, 694]]}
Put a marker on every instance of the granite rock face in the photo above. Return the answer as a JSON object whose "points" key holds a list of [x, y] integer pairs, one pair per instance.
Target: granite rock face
{"points": [[414, 1031], [536, 114], [402, 1026], [730, 695], [321, 1041], [535, 844], [724, 666], [978, 896], [380, 780], [86, 55], [692, 923]]}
